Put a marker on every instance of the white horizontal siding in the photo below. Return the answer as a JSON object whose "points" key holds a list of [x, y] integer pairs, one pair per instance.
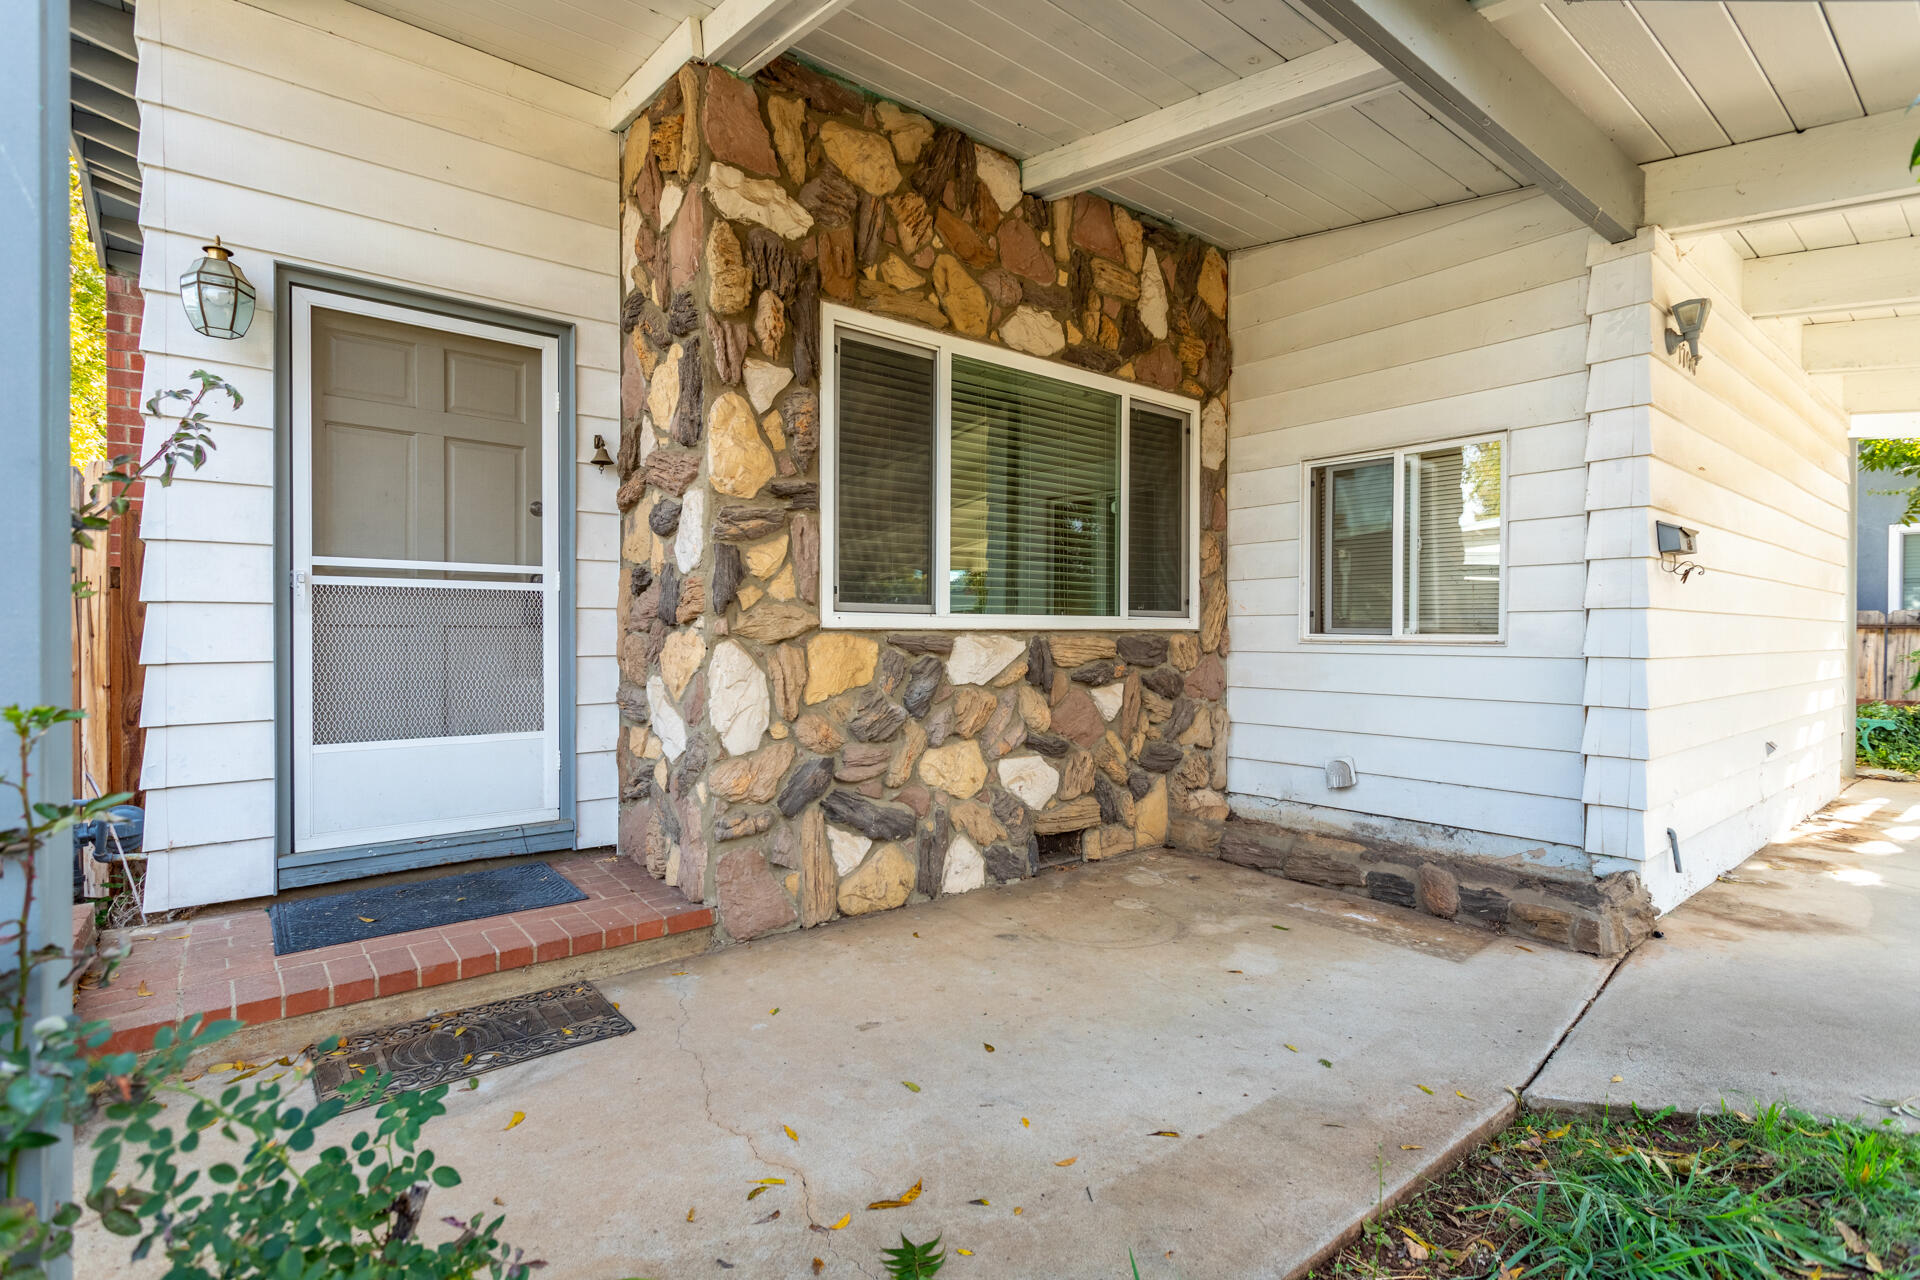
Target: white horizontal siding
{"points": [[1466, 319], [317, 132], [1718, 707]]}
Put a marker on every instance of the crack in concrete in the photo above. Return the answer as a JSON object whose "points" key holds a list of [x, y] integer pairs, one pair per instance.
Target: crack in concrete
{"points": [[753, 1145]]}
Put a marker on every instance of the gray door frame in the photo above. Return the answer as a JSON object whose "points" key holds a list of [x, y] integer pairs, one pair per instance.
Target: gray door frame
{"points": [[322, 866]]}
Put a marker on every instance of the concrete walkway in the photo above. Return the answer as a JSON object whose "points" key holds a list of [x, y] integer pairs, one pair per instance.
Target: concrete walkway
{"points": [[1151, 993], [1796, 978]]}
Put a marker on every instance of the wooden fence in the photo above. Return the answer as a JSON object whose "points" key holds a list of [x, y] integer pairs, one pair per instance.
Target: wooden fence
{"points": [[1889, 655]]}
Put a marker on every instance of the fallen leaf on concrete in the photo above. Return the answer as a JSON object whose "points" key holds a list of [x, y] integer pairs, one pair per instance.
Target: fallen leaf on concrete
{"points": [[1615, 1080], [1325, 1063], [518, 1116], [790, 1132], [965, 1253], [989, 1048], [1017, 1211], [1408, 1147], [1236, 971], [757, 1191], [1164, 1133], [1422, 1088], [761, 1222], [1458, 1094], [773, 1011], [678, 973], [1283, 928], [818, 1266], [845, 1218], [1291, 1049], [142, 991], [724, 1264], [1061, 1164], [987, 1202], [1025, 1123], [690, 1215], [773, 1182], [1528, 950], [907, 1197], [473, 1082], [911, 1085]]}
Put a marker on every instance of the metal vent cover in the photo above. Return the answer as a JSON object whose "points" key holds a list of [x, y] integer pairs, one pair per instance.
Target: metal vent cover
{"points": [[1340, 773], [394, 662]]}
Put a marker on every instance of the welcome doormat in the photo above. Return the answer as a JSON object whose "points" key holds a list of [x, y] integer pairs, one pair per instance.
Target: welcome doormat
{"points": [[452, 1046], [302, 924]]}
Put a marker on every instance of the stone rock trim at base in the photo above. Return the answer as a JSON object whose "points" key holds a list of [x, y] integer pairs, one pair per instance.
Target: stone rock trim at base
{"points": [[1607, 916]]}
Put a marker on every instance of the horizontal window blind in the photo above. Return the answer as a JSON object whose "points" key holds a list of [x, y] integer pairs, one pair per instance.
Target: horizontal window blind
{"points": [[1909, 571], [1353, 517], [1453, 540], [884, 524], [1035, 494], [1156, 503]]}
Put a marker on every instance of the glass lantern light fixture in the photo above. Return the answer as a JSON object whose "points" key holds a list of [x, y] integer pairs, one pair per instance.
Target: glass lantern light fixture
{"points": [[217, 294]]}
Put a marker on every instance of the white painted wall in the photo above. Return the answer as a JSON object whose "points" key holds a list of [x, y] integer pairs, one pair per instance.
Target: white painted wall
{"points": [[1718, 707], [1453, 321], [319, 133]]}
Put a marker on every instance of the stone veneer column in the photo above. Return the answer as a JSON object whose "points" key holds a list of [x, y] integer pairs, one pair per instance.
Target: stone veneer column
{"points": [[794, 773]]}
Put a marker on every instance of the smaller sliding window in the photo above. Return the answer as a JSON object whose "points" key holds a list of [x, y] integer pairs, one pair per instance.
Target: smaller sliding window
{"points": [[1409, 544]]}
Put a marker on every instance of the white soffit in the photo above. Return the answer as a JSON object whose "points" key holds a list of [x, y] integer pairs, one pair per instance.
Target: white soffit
{"points": [[592, 44]]}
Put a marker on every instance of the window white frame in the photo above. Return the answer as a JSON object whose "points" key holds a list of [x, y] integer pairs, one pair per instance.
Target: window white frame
{"points": [[836, 320], [1896, 562], [1310, 544]]}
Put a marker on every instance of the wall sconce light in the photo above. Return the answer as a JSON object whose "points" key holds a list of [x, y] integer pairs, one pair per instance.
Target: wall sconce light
{"points": [[217, 294], [1691, 316], [601, 458], [1674, 544]]}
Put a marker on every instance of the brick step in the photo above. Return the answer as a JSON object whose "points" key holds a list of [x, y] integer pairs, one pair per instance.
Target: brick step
{"points": [[222, 965]]}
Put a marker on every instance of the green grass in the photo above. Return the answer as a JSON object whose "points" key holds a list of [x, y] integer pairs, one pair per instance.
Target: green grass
{"points": [[1782, 1194], [1888, 737]]}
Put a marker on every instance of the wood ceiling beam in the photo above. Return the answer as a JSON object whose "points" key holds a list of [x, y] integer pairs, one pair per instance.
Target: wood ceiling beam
{"points": [[1320, 81], [1849, 277], [745, 35], [1831, 166], [1853, 346], [1455, 62]]}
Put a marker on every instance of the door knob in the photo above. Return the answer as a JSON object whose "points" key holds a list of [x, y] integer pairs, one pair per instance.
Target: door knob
{"points": [[533, 508]]}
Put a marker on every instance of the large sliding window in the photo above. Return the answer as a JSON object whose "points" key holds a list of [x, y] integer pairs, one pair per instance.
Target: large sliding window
{"points": [[1408, 544], [978, 487]]}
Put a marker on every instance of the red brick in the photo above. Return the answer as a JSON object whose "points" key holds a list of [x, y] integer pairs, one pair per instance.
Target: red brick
{"points": [[438, 962], [550, 941], [256, 998], [645, 929], [510, 944], [696, 919], [305, 989], [394, 970], [352, 980], [476, 953], [214, 999]]}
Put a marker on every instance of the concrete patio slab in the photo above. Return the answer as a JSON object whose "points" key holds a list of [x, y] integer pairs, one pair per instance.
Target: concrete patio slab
{"points": [[1796, 978], [1151, 993]]}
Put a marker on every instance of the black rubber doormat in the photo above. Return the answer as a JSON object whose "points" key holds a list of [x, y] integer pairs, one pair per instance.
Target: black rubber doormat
{"points": [[452, 1046], [375, 911]]}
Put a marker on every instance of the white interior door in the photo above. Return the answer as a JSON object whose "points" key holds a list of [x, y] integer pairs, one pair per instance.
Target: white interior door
{"points": [[426, 575]]}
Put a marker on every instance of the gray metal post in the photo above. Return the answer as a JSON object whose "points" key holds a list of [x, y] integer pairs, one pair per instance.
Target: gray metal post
{"points": [[35, 603]]}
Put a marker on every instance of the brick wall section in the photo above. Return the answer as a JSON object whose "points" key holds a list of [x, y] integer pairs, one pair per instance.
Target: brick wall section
{"points": [[125, 367], [788, 773]]}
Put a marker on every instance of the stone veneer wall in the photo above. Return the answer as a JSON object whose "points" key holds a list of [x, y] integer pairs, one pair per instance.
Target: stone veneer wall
{"points": [[793, 773]]}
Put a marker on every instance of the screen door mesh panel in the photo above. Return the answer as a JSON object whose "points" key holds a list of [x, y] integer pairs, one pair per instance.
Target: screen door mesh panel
{"points": [[397, 662]]}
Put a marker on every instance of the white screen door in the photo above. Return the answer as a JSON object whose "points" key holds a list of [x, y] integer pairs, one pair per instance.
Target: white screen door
{"points": [[425, 575]]}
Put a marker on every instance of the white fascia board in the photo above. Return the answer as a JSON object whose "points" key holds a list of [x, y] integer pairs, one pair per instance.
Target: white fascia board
{"points": [[1832, 166], [1454, 61], [1320, 81]]}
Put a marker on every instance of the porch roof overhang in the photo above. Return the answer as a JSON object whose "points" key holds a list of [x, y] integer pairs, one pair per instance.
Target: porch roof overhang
{"points": [[1779, 128], [105, 127]]}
